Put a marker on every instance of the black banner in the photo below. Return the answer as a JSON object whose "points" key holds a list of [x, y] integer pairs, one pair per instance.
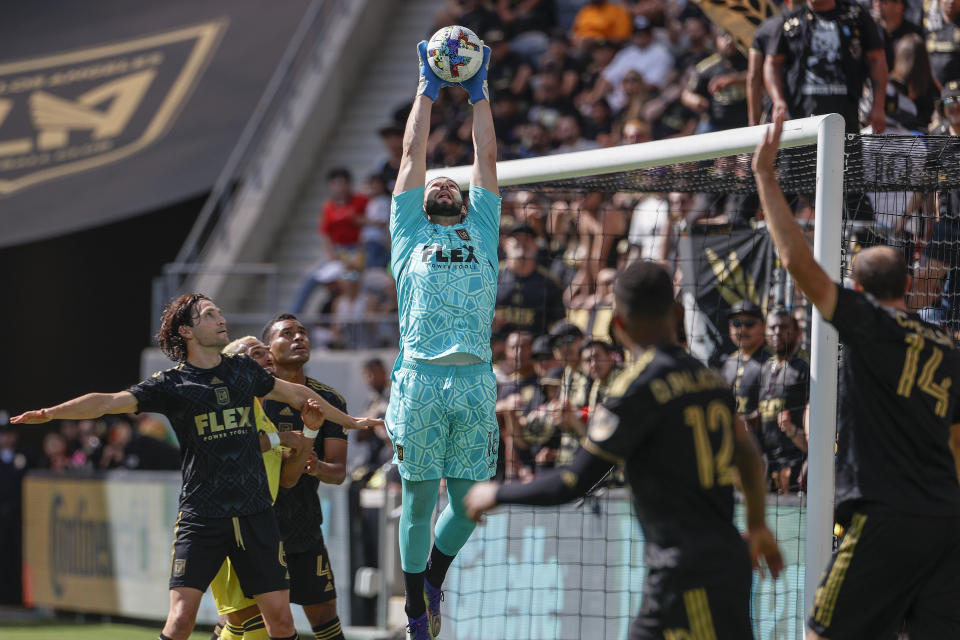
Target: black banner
{"points": [[720, 269], [118, 107]]}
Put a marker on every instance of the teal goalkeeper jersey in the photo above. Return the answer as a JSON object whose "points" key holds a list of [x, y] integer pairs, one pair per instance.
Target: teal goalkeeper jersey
{"points": [[446, 276]]}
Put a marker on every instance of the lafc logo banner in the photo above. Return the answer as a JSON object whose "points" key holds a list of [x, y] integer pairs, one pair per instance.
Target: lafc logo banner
{"points": [[70, 112], [739, 18]]}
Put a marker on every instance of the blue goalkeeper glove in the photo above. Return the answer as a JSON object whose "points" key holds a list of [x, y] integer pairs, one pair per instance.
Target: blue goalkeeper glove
{"points": [[430, 84], [477, 85]]}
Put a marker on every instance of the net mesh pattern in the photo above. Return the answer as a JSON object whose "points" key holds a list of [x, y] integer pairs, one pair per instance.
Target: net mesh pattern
{"points": [[577, 571]]}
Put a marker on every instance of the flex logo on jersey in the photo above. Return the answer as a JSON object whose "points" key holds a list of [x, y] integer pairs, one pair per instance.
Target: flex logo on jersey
{"points": [[222, 421], [70, 112], [441, 256]]}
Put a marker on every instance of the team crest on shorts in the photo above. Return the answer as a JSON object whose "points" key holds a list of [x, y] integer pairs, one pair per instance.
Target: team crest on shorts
{"points": [[223, 395], [400, 452], [463, 235], [179, 567]]}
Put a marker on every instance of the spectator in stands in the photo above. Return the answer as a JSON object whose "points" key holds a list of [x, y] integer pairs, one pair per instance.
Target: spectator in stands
{"points": [[819, 62], [644, 55], [943, 40], [392, 136], [559, 59], [601, 20], [598, 362], [893, 26], [374, 235], [758, 104], [126, 448], [950, 104], [565, 340], [351, 310], [694, 44], [13, 466], [906, 81], [742, 368], [544, 360], [596, 57], [717, 87], [509, 72], [54, 456], [527, 23], [549, 103], [528, 298], [528, 210], [518, 396], [650, 227], [342, 215], [784, 393], [567, 136], [475, 15], [368, 450], [326, 275]]}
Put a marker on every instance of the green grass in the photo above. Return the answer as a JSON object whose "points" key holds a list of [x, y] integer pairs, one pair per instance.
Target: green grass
{"points": [[58, 630]]}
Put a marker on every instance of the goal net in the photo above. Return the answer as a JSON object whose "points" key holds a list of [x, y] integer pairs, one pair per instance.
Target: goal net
{"points": [[576, 571]]}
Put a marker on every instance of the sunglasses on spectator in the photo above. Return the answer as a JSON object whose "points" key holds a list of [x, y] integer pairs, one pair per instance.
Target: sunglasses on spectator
{"points": [[744, 322], [951, 101]]}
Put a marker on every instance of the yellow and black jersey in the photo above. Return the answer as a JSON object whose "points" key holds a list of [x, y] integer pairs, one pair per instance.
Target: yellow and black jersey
{"points": [[898, 398], [212, 412], [298, 510], [671, 420]]}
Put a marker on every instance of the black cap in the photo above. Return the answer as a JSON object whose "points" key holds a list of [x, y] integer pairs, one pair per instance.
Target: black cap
{"points": [[745, 307], [950, 89], [564, 332], [523, 227], [541, 348]]}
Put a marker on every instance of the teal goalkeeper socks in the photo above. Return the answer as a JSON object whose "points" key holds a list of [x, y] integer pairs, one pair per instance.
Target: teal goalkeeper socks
{"points": [[418, 502], [453, 526]]}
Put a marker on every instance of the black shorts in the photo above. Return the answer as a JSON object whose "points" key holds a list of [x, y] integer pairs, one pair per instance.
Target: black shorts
{"points": [[311, 577], [710, 603], [891, 568], [252, 543]]}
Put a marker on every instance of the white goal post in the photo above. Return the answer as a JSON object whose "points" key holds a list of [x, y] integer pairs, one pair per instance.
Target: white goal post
{"points": [[827, 133]]}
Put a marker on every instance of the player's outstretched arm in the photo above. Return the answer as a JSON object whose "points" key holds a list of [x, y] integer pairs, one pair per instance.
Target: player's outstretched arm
{"points": [[91, 405], [296, 395], [746, 456], [413, 160], [795, 253], [484, 148], [556, 486]]}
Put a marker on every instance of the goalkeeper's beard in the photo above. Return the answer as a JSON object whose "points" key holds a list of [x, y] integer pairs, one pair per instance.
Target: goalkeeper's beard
{"points": [[436, 209]]}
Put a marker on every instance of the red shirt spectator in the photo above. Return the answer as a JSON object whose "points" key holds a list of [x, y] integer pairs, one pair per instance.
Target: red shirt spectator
{"points": [[342, 216]]}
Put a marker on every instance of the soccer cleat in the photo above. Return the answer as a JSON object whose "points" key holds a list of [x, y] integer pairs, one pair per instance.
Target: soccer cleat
{"points": [[419, 628], [433, 596]]}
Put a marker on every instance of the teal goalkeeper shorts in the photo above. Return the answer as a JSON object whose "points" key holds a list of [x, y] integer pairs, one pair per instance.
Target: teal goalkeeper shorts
{"points": [[442, 421]]}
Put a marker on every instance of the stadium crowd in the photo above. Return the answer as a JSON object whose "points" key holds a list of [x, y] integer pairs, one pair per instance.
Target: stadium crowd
{"points": [[572, 75]]}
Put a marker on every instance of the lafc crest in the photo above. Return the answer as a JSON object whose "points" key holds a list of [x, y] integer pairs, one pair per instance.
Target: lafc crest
{"points": [[70, 112], [734, 283], [739, 18]]}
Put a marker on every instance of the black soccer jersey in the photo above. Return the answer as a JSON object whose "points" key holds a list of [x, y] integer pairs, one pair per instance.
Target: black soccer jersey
{"points": [[783, 386], [211, 411], [898, 399], [728, 106], [298, 510], [671, 420], [743, 376], [764, 34]]}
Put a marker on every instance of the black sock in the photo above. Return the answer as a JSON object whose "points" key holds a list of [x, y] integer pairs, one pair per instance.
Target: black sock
{"points": [[328, 630], [416, 607], [437, 567], [163, 637]]}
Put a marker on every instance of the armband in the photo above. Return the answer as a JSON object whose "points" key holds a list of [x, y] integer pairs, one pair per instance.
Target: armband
{"points": [[273, 439]]}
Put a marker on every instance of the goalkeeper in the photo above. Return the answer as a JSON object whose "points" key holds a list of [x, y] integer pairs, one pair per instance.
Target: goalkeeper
{"points": [[441, 416]]}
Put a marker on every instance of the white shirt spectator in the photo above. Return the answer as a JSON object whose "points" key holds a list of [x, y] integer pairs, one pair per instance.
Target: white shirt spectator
{"points": [[649, 226], [653, 62]]}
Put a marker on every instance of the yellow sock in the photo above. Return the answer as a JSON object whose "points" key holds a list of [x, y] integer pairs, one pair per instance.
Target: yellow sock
{"points": [[254, 629]]}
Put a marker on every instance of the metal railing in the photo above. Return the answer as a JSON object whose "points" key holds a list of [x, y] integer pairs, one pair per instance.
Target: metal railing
{"points": [[242, 167]]}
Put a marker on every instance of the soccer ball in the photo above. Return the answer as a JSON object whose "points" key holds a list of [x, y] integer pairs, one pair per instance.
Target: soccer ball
{"points": [[455, 53]]}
